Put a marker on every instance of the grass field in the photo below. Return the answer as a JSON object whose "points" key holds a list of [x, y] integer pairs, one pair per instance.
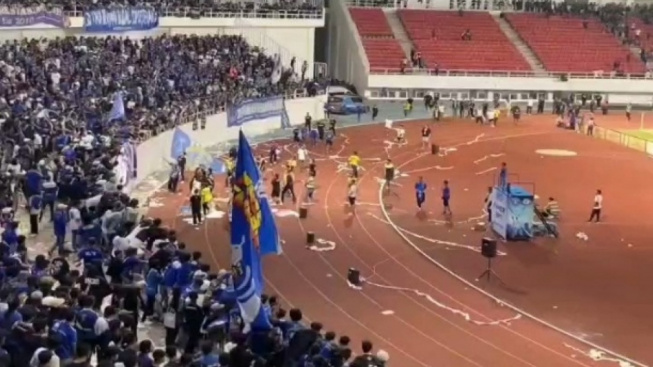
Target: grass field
{"points": [[642, 134]]}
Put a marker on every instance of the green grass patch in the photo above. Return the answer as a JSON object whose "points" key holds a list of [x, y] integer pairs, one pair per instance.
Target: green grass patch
{"points": [[642, 134]]}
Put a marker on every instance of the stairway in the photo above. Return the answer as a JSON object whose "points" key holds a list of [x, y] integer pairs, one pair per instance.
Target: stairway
{"points": [[399, 31], [521, 46]]}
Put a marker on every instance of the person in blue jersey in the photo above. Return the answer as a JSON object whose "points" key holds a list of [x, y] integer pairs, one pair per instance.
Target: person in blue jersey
{"points": [[35, 203], [208, 358], [90, 254], [60, 225], [132, 265], [420, 192], [185, 270], [88, 323], [153, 280], [50, 192], [33, 181], [10, 236], [503, 175], [63, 328], [446, 197]]}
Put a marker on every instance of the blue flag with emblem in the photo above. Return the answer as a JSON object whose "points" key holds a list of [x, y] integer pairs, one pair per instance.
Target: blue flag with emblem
{"points": [[253, 234]]}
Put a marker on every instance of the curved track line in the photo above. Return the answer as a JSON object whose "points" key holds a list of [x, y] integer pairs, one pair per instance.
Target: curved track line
{"points": [[487, 294], [374, 302], [419, 304], [423, 306]]}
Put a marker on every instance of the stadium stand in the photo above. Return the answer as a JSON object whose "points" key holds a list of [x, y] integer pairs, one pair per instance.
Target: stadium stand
{"points": [[293, 9], [383, 51], [61, 140], [437, 35], [573, 44]]}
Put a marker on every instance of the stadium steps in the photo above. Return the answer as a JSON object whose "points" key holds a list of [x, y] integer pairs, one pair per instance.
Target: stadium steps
{"points": [[521, 46], [399, 31]]}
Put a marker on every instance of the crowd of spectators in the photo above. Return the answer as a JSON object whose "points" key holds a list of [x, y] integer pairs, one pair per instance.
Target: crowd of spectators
{"points": [[60, 157], [163, 80], [188, 8]]}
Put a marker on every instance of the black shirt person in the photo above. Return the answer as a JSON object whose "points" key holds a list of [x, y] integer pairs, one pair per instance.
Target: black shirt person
{"points": [[332, 126], [320, 129], [307, 121], [181, 162], [196, 207], [289, 187], [389, 174], [276, 188]]}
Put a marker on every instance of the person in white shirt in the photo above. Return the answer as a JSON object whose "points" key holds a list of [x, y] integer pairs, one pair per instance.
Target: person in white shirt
{"points": [[596, 208], [75, 223], [352, 192], [302, 154], [529, 107], [590, 126], [401, 134]]}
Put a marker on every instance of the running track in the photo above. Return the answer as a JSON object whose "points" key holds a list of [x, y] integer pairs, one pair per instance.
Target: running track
{"points": [[448, 324]]}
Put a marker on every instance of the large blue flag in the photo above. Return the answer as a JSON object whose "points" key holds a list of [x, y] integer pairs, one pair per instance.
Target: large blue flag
{"points": [[253, 234], [118, 108], [180, 143]]}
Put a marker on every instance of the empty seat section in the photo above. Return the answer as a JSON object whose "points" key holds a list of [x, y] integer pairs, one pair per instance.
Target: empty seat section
{"points": [[564, 44], [438, 36], [371, 23], [383, 51], [383, 54]]}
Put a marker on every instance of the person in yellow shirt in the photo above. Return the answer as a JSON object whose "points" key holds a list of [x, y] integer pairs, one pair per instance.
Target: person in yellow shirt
{"points": [[497, 114], [354, 162], [291, 164], [207, 199], [229, 165]]}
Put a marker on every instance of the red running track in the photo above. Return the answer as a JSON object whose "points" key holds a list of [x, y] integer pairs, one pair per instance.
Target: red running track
{"points": [[445, 323]]}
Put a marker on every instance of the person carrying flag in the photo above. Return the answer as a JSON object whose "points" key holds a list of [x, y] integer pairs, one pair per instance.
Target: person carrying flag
{"points": [[253, 234]]}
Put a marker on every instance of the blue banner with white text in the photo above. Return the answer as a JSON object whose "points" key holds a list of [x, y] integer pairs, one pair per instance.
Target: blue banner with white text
{"points": [[256, 110], [27, 17], [121, 20]]}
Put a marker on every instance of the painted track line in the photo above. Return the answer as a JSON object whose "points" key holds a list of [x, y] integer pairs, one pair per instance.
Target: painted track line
{"points": [[492, 297]]}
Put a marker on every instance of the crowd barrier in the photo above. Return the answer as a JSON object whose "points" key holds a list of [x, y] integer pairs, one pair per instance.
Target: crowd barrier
{"points": [[156, 153], [625, 139]]}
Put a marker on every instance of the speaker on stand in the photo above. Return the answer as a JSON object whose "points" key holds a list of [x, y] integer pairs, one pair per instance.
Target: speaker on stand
{"points": [[435, 149], [489, 251]]}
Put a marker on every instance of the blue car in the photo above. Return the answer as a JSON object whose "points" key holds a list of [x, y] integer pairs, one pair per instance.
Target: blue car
{"points": [[346, 104]]}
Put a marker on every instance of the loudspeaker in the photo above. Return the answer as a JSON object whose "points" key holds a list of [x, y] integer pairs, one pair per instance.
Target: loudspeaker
{"points": [[435, 149], [310, 238], [354, 276], [303, 212], [489, 247]]}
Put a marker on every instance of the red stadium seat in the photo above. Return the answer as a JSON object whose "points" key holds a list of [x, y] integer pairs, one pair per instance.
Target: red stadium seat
{"points": [[563, 45], [383, 51], [437, 35]]}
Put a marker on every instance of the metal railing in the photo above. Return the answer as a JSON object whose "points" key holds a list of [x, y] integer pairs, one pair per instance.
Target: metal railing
{"points": [[188, 118], [624, 138], [510, 74], [227, 13]]}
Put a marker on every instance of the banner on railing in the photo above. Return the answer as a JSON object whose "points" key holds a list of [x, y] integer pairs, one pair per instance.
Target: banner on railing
{"points": [[27, 17], [121, 20], [258, 109]]}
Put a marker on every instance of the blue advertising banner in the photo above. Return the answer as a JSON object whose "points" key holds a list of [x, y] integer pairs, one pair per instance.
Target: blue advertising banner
{"points": [[27, 17], [520, 214], [258, 109], [500, 211], [121, 20]]}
